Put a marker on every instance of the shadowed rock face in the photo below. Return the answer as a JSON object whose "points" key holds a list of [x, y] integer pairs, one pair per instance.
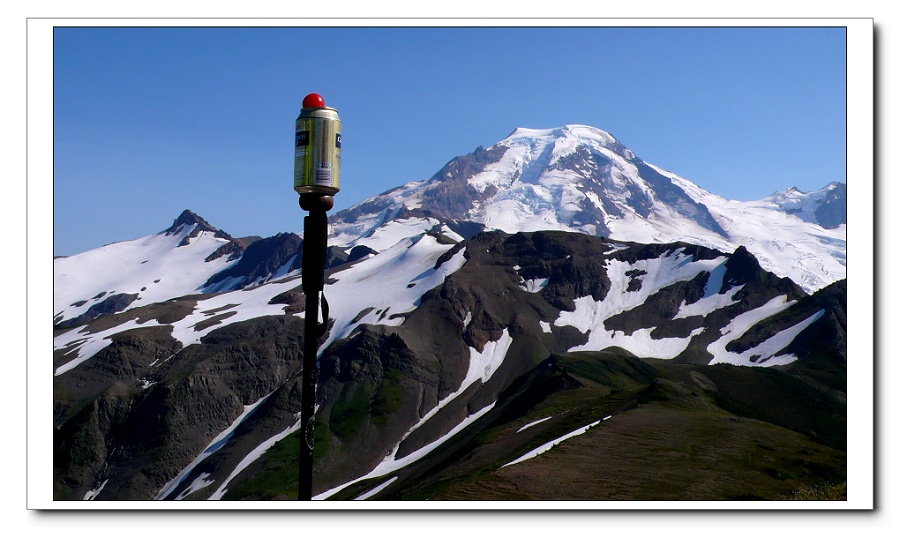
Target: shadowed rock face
{"points": [[260, 260], [833, 210], [143, 408]]}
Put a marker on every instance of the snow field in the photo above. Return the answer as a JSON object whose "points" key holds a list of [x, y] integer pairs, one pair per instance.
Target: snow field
{"points": [[712, 300], [390, 283], [235, 306], [482, 365], [389, 234], [531, 285], [379, 282], [375, 490], [807, 253], [232, 307], [88, 344], [92, 494], [762, 355], [589, 315], [155, 267]]}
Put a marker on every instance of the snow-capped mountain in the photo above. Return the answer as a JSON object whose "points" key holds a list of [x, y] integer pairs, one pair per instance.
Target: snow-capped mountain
{"points": [[581, 179], [494, 331], [189, 258], [826, 207], [172, 263], [429, 341], [575, 178]]}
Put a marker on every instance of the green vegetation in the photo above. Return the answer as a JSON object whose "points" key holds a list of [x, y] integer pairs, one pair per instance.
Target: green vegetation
{"points": [[668, 439], [388, 398], [278, 477], [351, 410], [613, 367]]}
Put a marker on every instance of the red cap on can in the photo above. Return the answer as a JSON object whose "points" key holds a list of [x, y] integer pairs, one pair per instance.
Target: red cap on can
{"points": [[313, 100]]}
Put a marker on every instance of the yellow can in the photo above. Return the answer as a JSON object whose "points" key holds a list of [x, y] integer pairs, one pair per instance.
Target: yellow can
{"points": [[317, 151]]}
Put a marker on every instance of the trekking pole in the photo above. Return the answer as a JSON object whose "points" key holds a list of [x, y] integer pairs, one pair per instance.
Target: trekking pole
{"points": [[317, 175]]}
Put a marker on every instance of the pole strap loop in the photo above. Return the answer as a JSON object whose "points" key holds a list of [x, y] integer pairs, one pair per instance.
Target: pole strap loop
{"points": [[323, 327]]}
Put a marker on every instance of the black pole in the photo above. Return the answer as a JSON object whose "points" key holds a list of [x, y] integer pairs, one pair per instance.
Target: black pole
{"points": [[315, 241]]}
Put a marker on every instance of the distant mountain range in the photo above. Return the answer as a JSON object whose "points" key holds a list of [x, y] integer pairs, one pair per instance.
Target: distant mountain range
{"points": [[533, 322]]}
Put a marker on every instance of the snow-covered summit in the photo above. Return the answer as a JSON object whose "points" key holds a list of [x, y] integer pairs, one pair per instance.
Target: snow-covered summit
{"points": [[826, 207], [139, 272], [580, 178], [563, 139]]}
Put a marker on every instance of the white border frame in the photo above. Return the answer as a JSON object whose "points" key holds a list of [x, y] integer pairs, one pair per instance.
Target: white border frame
{"points": [[860, 243]]}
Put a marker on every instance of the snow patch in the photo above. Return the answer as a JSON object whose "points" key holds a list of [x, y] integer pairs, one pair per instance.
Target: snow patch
{"points": [[468, 319], [252, 457], [390, 463], [712, 300], [89, 344], [762, 355], [535, 423], [376, 490], [199, 483], [392, 281], [589, 316], [154, 266], [534, 285], [211, 448], [549, 445], [91, 494], [482, 366]]}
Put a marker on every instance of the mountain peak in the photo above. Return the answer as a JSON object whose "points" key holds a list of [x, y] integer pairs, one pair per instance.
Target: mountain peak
{"points": [[826, 207], [573, 132], [189, 218]]}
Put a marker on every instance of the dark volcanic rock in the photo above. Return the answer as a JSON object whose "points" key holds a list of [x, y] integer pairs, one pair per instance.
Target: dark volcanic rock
{"points": [[744, 268], [259, 261], [112, 304], [359, 252], [453, 198], [233, 249], [188, 218], [145, 407], [142, 411]]}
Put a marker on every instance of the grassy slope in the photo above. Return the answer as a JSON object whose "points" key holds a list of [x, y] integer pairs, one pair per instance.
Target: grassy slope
{"points": [[677, 433], [669, 439]]}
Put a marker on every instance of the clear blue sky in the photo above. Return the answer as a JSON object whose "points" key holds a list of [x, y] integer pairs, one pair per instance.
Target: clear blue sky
{"points": [[151, 121]]}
